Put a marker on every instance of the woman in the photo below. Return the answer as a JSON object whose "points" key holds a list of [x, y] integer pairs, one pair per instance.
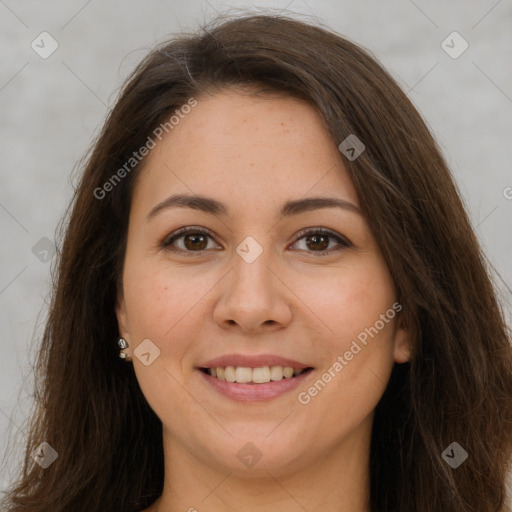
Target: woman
{"points": [[268, 236]]}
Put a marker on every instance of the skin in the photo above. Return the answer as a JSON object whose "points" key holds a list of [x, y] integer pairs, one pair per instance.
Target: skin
{"points": [[253, 154]]}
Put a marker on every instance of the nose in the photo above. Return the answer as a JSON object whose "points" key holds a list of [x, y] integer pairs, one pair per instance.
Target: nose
{"points": [[253, 296]]}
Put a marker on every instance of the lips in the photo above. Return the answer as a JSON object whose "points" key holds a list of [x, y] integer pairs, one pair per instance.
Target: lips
{"points": [[260, 377]]}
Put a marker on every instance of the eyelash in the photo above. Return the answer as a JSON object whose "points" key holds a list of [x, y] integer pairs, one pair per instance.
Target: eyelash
{"points": [[166, 244]]}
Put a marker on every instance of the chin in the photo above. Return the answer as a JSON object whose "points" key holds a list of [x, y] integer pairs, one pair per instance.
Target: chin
{"points": [[258, 454]]}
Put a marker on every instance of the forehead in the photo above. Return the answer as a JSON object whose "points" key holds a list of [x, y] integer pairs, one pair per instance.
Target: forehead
{"points": [[236, 146]]}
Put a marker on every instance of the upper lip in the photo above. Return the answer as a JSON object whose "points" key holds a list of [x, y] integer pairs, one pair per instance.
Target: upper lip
{"points": [[254, 361]]}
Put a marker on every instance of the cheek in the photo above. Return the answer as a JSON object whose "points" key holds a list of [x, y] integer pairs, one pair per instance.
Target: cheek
{"points": [[355, 372], [160, 308], [351, 300], [163, 303]]}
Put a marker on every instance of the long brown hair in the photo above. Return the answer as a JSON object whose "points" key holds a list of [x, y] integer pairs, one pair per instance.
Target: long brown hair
{"points": [[458, 386]]}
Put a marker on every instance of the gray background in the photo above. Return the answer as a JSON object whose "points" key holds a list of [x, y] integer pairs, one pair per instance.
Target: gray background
{"points": [[52, 108]]}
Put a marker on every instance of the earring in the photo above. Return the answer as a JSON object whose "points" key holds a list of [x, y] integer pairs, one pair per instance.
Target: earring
{"points": [[122, 345]]}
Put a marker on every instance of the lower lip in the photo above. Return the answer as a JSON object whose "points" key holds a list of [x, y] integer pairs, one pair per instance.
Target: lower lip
{"points": [[256, 392]]}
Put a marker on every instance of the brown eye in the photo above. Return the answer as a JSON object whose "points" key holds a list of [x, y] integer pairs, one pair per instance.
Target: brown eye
{"points": [[318, 241], [194, 240]]}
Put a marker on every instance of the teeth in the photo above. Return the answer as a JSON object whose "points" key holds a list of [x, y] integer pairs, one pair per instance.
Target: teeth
{"points": [[260, 375], [276, 373], [243, 374], [230, 374], [288, 372]]}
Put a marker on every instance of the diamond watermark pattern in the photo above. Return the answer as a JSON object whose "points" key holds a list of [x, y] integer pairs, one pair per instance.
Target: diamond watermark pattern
{"points": [[454, 455], [44, 455], [249, 454], [44, 45], [351, 147], [147, 352], [454, 45], [249, 250], [44, 249]]}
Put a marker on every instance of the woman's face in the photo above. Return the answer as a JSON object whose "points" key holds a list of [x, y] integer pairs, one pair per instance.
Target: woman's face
{"points": [[260, 288]]}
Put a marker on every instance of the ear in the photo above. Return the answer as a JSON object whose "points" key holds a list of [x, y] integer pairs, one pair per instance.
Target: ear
{"points": [[403, 342], [122, 317]]}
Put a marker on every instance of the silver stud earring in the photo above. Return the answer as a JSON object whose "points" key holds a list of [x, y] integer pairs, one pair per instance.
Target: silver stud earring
{"points": [[122, 345]]}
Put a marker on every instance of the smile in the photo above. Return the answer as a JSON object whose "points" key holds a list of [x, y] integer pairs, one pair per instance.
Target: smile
{"points": [[253, 385], [248, 375]]}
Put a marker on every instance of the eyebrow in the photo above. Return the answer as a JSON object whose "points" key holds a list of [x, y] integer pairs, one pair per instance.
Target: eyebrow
{"points": [[214, 207]]}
